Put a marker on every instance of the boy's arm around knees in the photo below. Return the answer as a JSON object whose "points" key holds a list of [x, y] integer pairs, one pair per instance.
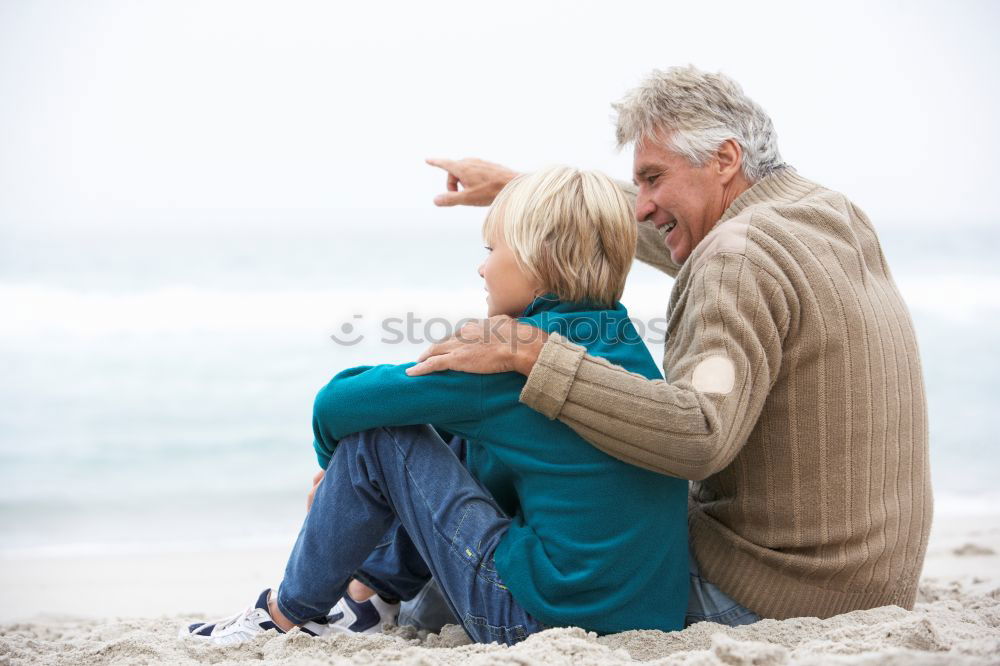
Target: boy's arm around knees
{"points": [[384, 395]]}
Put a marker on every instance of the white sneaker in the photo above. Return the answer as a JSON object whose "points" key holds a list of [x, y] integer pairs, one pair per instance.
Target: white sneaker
{"points": [[244, 626], [361, 617]]}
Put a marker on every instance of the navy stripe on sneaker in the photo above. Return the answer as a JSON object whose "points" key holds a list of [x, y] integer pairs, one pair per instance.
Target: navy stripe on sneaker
{"points": [[365, 612], [262, 604], [244, 626]]}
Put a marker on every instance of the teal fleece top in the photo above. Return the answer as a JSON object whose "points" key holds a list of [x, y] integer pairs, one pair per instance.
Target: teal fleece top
{"points": [[593, 542]]}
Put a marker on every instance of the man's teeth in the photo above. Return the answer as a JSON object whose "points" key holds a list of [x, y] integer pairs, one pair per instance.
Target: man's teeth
{"points": [[670, 226]]}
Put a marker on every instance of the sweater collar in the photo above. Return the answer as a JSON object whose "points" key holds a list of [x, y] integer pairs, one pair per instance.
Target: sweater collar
{"points": [[783, 185]]}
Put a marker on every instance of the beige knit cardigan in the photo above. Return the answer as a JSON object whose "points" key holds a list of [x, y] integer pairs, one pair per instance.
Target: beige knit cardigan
{"points": [[794, 401]]}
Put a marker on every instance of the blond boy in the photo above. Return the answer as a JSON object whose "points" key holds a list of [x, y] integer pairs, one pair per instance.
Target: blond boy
{"points": [[522, 523]]}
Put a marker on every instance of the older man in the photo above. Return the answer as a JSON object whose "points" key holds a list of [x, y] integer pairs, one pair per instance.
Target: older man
{"points": [[794, 398]]}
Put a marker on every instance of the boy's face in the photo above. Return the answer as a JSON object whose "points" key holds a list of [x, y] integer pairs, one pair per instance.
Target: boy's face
{"points": [[508, 289]]}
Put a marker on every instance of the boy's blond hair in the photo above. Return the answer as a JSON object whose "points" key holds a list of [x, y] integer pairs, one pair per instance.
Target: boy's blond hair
{"points": [[572, 231]]}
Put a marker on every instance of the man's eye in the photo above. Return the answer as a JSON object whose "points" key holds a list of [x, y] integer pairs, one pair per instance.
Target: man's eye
{"points": [[652, 179]]}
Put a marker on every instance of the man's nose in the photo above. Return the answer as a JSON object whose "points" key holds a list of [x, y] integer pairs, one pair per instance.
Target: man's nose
{"points": [[643, 207]]}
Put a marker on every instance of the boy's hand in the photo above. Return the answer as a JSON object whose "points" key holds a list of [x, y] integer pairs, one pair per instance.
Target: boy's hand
{"points": [[485, 347], [480, 181], [316, 479]]}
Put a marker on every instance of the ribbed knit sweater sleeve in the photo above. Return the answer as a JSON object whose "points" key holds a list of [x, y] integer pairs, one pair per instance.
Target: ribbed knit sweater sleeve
{"points": [[721, 358]]}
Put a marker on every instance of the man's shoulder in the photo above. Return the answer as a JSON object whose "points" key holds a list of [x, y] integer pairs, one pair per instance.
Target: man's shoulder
{"points": [[813, 211], [800, 211], [792, 206]]}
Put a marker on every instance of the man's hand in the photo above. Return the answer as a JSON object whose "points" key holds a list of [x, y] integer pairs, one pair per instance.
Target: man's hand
{"points": [[480, 181], [316, 479], [485, 347]]}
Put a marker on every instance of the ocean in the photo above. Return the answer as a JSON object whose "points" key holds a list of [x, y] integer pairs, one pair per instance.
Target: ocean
{"points": [[157, 382]]}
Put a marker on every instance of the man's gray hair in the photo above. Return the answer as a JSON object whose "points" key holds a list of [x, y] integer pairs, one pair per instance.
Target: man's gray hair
{"points": [[695, 112]]}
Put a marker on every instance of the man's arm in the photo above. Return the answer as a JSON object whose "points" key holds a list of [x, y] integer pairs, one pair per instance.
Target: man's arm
{"points": [[722, 360], [384, 395], [475, 182]]}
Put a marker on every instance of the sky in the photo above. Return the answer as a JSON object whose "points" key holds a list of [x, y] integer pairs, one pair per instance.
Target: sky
{"points": [[166, 116], [195, 194]]}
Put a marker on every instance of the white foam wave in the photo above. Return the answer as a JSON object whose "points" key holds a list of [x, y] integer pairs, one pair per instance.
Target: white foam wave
{"points": [[35, 309]]}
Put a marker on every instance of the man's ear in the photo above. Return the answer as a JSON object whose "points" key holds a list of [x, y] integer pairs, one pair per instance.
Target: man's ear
{"points": [[729, 158]]}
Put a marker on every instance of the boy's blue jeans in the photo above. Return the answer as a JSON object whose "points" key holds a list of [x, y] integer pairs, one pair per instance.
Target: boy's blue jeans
{"points": [[451, 524], [706, 602], [395, 569]]}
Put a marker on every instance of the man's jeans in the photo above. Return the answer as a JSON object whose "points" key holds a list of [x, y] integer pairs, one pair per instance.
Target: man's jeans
{"points": [[408, 479], [707, 603]]}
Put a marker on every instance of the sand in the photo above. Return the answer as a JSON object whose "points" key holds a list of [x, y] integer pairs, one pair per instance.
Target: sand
{"points": [[956, 621]]}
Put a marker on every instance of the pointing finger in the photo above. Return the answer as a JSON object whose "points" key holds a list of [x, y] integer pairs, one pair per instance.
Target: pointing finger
{"points": [[441, 163], [451, 198]]}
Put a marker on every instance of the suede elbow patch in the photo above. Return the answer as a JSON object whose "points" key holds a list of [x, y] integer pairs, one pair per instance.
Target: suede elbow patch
{"points": [[715, 374]]}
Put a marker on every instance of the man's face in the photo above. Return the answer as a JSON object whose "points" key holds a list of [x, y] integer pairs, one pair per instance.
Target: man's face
{"points": [[672, 192]]}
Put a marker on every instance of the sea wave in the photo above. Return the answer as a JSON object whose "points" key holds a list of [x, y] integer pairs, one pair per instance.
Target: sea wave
{"points": [[39, 309]]}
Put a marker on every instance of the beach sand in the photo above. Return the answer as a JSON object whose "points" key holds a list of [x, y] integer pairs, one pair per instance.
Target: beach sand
{"points": [[127, 608]]}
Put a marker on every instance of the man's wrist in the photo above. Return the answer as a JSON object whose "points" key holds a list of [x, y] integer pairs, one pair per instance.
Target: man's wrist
{"points": [[527, 354]]}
